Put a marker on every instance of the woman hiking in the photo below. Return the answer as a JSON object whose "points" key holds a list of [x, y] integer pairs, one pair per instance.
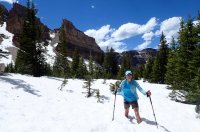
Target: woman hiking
{"points": [[127, 89]]}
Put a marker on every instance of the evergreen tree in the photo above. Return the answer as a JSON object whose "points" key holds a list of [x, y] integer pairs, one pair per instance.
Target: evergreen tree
{"points": [[88, 83], [61, 66], [110, 63], [170, 75], [163, 56], [160, 62], [125, 65], [91, 66], [156, 70], [184, 54], [148, 69], [75, 63], [30, 59], [139, 71], [9, 68], [82, 69]]}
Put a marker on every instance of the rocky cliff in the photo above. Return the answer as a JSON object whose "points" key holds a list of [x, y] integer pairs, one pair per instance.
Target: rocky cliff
{"points": [[76, 39], [15, 20]]}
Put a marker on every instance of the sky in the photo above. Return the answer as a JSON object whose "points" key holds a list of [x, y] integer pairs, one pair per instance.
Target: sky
{"points": [[121, 24]]}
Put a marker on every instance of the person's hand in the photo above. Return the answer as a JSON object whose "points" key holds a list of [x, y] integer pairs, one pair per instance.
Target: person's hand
{"points": [[148, 93]]}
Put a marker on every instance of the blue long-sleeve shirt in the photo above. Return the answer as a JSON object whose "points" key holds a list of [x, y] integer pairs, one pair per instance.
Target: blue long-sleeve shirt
{"points": [[128, 90]]}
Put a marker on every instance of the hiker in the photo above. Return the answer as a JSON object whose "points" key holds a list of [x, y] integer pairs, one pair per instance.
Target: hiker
{"points": [[127, 89]]}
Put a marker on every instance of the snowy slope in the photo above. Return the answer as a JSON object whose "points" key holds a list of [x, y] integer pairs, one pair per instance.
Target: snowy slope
{"points": [[6, 43], [29, 104]]}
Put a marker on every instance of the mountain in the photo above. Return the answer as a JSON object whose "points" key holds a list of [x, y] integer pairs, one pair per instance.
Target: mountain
{"points": [[139, 57], [76, 39]]}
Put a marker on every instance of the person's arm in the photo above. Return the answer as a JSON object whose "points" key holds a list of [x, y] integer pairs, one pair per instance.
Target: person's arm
{"points": [[118, 88], [148, 93]]}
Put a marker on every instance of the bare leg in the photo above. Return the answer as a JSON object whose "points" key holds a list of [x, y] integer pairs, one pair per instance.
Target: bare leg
{"points": [[137, 114], [126, 112]]}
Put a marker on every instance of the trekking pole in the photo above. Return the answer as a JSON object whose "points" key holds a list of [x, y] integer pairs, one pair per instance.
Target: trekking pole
{"points": [[153, 111], [114, 106]]}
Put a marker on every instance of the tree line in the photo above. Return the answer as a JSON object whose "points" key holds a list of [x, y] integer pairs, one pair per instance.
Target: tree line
{"points": [[178, 63]]}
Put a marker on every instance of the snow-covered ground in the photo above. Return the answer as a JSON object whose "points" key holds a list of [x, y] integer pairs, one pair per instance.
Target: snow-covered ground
{"points": [[6, 43], [29, 104]]}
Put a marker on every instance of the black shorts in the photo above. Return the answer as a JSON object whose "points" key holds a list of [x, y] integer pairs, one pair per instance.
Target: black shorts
{"points": [[134, 104]]}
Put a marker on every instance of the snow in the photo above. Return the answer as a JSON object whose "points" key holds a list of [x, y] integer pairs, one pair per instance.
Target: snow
{"points": [[52, 35], [6, 43], [50, 55], [36, 105]]}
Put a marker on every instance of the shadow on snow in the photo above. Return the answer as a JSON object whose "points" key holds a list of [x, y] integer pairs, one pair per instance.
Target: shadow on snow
{"points": [[20, 84]]}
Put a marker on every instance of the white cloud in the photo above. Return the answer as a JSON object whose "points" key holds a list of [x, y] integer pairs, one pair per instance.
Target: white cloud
{"points": [[101, 34], [129, 30], [10, 1], [110, 37], [147, 41], [143, 45], [148, 36], [169, 27]]}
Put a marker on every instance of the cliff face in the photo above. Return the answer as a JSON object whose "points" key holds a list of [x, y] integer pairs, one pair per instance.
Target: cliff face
{"points": [[15, 20], [83, 43]]}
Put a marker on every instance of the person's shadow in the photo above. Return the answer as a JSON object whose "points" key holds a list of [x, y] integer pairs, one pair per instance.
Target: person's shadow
{"points": [[154, 123]]}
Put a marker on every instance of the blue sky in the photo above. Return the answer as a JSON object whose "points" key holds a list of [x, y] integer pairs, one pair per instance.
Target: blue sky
{"points": [[122, 24]]}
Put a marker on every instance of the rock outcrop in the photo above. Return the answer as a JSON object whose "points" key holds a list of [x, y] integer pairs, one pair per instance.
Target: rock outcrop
{"points": [[76, 39], [15, 21]]}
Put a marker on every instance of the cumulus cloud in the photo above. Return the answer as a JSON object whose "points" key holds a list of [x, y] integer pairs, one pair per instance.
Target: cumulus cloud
{"points": [[10, 1], [169, 27], [129, 30], [110, 37], [101, 34], [147, 41]]}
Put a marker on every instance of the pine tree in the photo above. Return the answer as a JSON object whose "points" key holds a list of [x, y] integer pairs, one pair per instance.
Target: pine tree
{"points": [[82, 69], [98, 95], [61, 66], [160, 62], [156, 70], [163, 57], [88, 83], [125, 65], [139, 71], [75, 63], [148, 69], [110, 63], [184, 54], [170, 75], [30, 59], [194, 66]]}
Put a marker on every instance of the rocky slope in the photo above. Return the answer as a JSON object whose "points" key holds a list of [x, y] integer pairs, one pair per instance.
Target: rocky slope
{"points": [[76, 39]]}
